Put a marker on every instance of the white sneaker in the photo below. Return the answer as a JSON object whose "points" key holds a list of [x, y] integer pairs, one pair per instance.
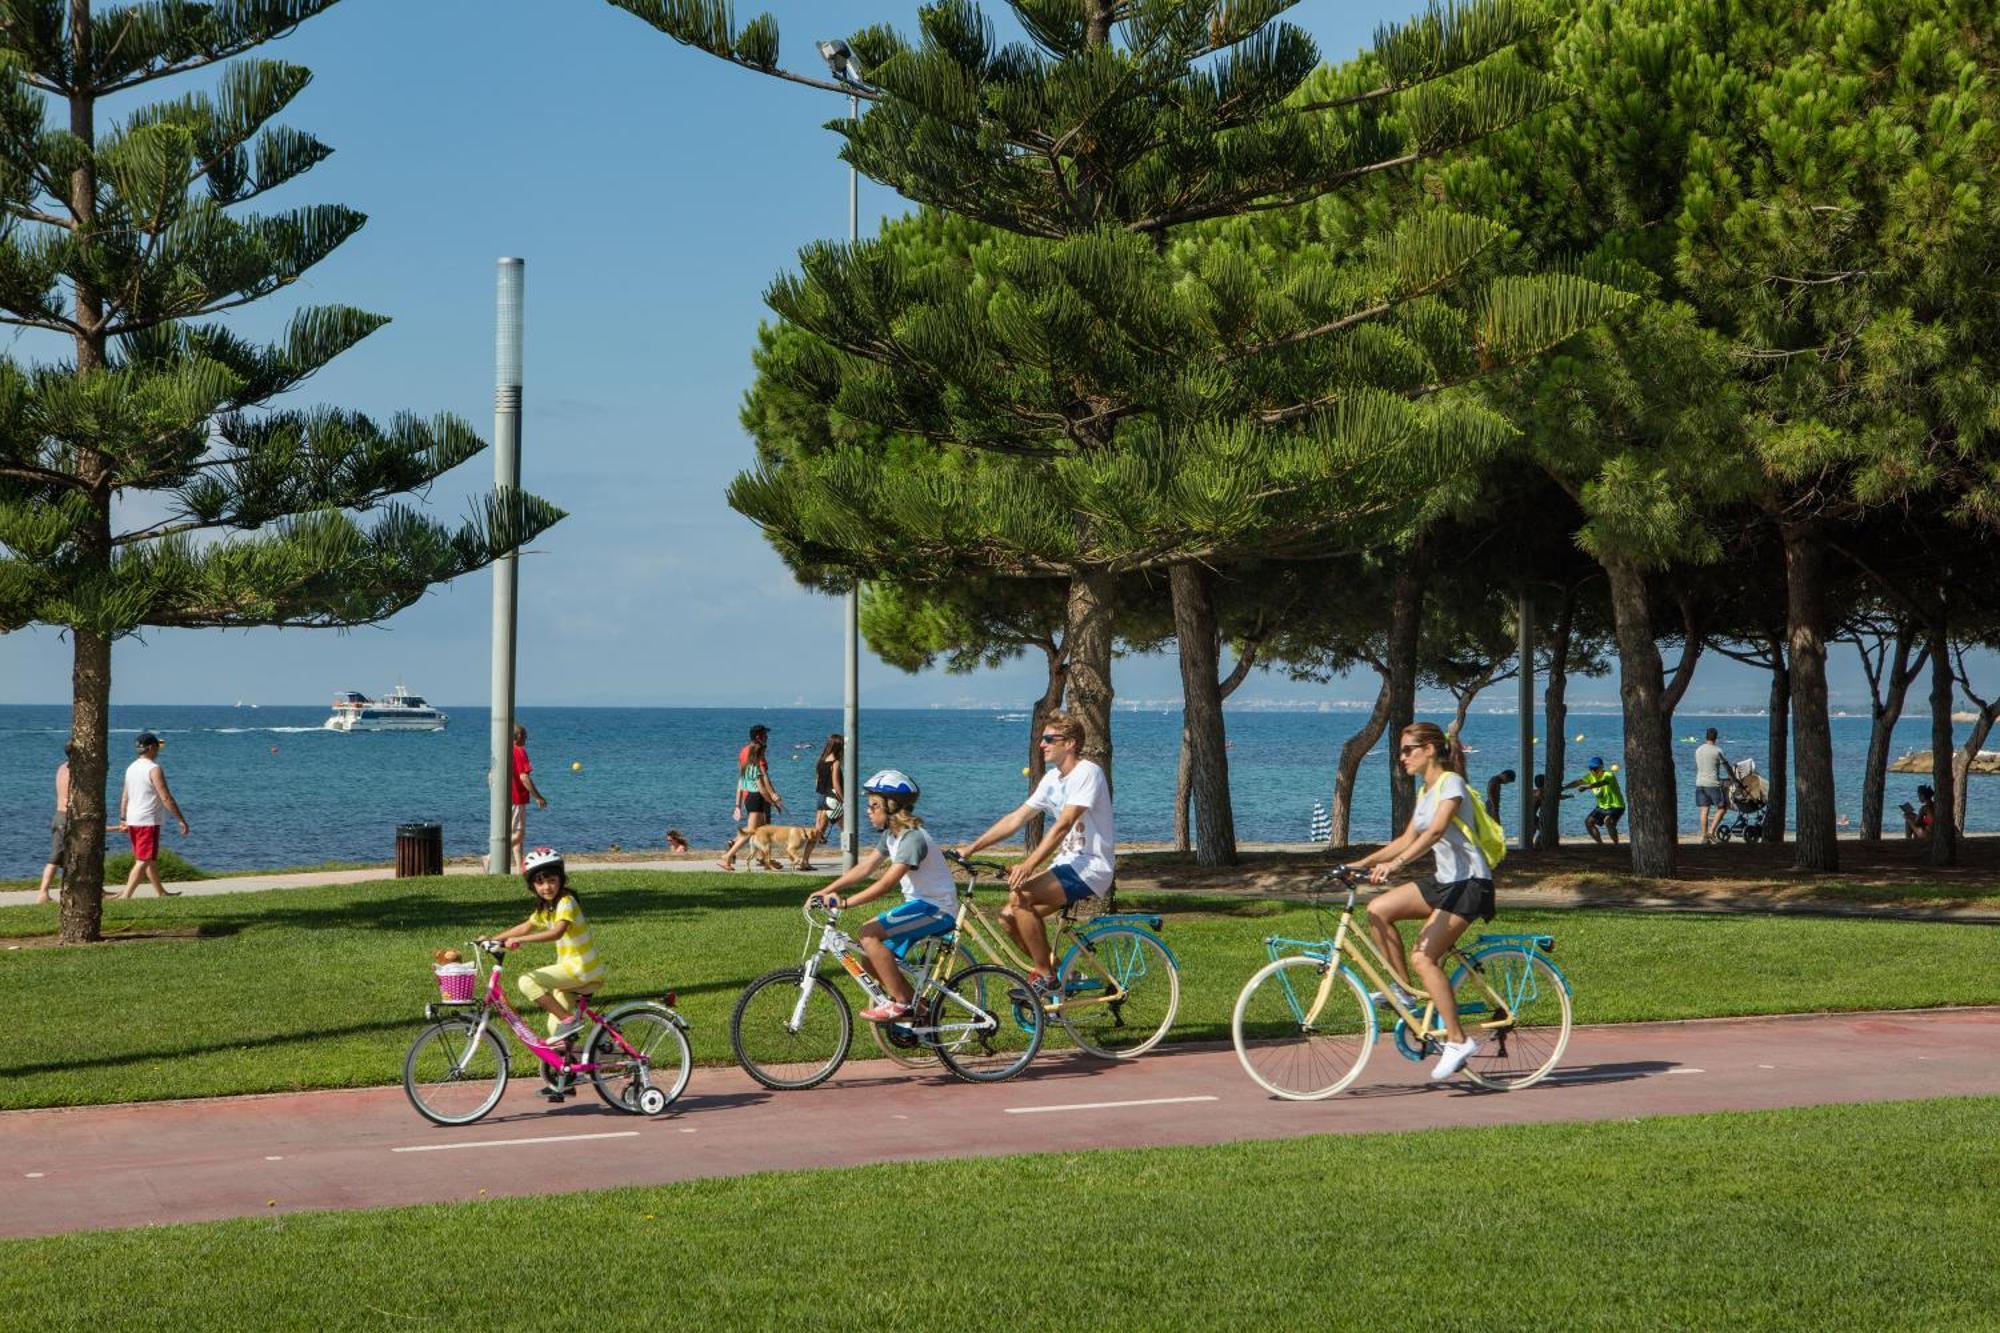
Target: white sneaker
{"points": [[1453, 1058], [1380, 999]]}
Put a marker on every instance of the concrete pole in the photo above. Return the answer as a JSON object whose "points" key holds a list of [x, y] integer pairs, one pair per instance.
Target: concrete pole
{"points": [[850, 713], [506, 479], [1525, 632]]}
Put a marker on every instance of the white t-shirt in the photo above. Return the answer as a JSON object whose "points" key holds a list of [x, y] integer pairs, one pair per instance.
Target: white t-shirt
{"points": [[1457, 858], [1091, 849], [928, 878], [1708, 764], [142, 803]]}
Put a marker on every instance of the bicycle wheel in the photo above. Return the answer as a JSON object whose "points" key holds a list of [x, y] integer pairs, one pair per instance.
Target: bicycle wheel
{"points": [[455, 1072], [662, 1058], [1514, 1001], [980, 1032], [788, 1035], [1127, 963], [900, 1041], [1303, 1029]]}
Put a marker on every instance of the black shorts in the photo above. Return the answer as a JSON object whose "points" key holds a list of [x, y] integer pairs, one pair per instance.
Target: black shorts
{"points": [[1602, 818], [1471, 899], [755, 804]]}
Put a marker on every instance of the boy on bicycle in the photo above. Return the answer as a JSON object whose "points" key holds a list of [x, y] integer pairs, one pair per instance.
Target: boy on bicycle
{"points": [[916, 864], [1081, 838]]}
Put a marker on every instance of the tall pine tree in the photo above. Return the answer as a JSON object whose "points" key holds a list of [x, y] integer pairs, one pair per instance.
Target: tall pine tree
{"points": [[123, 238]]}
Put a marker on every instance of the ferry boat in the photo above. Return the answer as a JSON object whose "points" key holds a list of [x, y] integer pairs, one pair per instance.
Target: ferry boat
{"points": [[399, 711]]}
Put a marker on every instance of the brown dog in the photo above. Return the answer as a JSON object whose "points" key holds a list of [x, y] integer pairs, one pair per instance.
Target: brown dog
{"points": [[774, 840]]}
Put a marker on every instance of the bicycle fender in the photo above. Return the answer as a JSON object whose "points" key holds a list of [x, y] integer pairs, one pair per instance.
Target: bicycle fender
{"points": [[1087, 936], [1561, 976]]}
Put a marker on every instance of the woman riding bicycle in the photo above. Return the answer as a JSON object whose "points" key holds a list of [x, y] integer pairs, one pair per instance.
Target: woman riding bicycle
{"points": [[559, 917], [915, 864], [1447, 901]]}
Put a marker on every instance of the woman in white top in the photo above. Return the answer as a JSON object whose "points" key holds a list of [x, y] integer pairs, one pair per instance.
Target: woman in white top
{"points": [[1447, 901]]}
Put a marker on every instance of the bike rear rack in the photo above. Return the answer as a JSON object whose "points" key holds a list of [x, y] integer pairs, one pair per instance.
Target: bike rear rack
{"points": [[1545, 943]]}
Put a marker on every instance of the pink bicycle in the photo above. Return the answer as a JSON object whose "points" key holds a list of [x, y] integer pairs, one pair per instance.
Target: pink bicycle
{"points": [[636, 1056]]}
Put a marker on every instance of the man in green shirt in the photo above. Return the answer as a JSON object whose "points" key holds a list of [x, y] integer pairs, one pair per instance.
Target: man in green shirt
{"points": [[1603, 783]]}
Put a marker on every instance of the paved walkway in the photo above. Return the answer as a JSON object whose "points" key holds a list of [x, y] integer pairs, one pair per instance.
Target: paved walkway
{"points": [[77, 1169]]}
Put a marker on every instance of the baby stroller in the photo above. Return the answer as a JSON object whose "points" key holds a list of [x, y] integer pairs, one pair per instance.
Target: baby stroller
{"points": [[1747, 798]]}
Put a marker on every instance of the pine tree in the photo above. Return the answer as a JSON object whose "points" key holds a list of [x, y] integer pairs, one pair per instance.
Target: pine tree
{"points": [[1153, 390], [124, 238]]}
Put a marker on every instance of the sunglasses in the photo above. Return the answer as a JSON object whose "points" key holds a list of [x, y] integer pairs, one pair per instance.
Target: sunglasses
{"points": [[1408, 749], [1050, 738]]}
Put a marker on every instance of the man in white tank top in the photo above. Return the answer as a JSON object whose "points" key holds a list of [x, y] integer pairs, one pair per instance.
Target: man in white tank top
{"points": [[139, 807]]}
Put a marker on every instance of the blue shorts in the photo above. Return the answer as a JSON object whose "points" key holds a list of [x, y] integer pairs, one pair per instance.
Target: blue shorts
{"points": [[908, 922], [1073, 887], [1704, 796]]}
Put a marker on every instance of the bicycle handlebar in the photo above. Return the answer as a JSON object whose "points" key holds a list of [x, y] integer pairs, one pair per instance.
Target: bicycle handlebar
{"points": [[967, 863], [821, 901]]}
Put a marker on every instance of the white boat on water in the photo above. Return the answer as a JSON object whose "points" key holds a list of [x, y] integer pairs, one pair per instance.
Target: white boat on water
{"points": [[399, 711]]}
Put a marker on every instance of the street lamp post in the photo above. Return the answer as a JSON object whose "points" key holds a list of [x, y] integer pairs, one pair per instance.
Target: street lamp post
{"points": [[847, 71]]}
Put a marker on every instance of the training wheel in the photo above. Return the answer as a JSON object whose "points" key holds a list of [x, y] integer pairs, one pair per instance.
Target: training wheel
{"points": [[652, 1101]]}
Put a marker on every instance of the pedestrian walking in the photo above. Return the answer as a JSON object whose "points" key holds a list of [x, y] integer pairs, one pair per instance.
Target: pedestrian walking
{"points": [[828, 788], [523, 790], [139, 808], [1711, 785], [756, 798], [58, 826]]}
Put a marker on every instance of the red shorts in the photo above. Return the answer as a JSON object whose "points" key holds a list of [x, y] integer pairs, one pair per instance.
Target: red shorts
{"points": [[145, 841]]}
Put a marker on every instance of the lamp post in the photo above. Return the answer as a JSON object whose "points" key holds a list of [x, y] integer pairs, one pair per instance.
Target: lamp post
{"points": [[846, 70], [506, 480]]}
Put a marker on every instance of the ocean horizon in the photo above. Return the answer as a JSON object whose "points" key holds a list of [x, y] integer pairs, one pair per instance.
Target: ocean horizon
{"points": [[268, 786]]}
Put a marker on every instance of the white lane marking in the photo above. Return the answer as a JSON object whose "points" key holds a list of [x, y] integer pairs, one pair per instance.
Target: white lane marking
{"points": [[1687, 1071], [516, 1143], [684, 1131], [1106, 1106], [34, 1175], [1767, 1066]]}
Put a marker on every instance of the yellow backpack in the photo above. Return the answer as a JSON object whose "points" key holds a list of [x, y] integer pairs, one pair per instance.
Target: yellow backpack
{"points": [[1484, 831]]}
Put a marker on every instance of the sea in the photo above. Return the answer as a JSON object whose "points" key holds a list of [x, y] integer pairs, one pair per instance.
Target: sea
{"points": [[270, 787]]}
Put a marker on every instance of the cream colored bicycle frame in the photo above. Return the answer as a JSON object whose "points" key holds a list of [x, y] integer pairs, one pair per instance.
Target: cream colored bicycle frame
{"points": [[999, 947], [1425, 1028]]}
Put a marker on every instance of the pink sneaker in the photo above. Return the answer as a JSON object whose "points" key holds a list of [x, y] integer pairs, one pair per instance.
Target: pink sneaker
{"points": [[886, 1013]]}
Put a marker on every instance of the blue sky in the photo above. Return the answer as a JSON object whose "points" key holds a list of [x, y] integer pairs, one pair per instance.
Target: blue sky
{"points": [[654, 192]]}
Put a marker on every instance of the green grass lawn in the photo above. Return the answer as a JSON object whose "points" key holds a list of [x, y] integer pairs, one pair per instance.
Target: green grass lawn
{"points": [[1841, 1216], [312, 988]]}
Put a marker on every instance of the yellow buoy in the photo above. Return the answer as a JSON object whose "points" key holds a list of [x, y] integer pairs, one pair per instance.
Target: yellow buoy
{"points": [[1579, 738], [1024, 770], [576, 768]]}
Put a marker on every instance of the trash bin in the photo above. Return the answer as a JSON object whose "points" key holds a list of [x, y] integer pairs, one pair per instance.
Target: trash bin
{"points": [[419, 850]]}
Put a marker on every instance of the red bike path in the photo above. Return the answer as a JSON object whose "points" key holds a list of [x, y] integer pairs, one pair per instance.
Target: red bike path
{"points": [[148, 1163]]}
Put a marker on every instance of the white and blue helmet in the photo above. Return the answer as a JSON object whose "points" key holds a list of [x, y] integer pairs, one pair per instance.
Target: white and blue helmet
{"points": [[892, 782]]}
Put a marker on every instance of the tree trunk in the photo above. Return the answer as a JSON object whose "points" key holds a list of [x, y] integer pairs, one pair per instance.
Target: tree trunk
{"points": [[1944, 837], [1204, 737], [1651, 807], [1087, 640], [1817, 838], [82, 913], [1883, 713], [1780, 725], [1347, 768], [1692, 642], [1031, 832], [1406, 617], [1982, 727], [1548, 821], [1184, 793]]}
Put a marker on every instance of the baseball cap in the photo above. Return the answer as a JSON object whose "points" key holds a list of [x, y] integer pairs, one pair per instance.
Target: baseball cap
{"points": [[146, 738]]}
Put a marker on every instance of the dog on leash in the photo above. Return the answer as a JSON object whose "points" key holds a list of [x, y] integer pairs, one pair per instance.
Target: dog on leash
{"points": [[773, 841]]}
